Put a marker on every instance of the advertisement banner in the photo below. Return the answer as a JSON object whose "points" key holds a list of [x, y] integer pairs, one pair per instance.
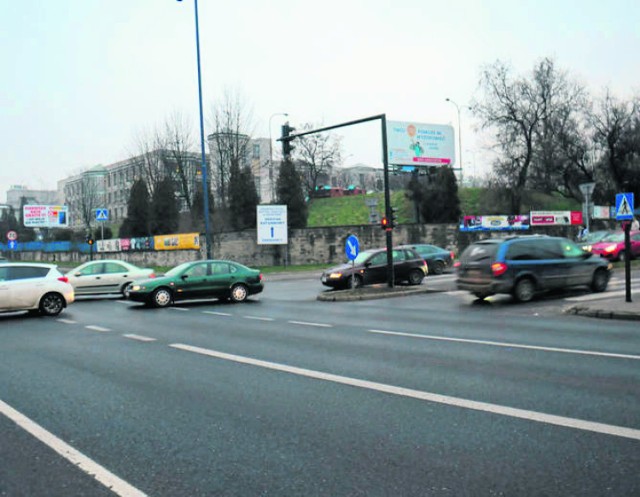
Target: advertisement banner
{"points": [[602, 211], [135, 244], [46, 216], [111, 245], [418, 144], [555, 218], [182, 241], [495, 223]]}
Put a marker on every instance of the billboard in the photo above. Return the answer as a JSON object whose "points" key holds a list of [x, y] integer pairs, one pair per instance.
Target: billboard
{"points": [[494, 223], [181, 241], [419, 144], [45, 216], [272, 225], [556, 218]]}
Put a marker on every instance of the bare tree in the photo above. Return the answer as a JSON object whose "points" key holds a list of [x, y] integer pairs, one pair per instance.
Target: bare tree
{"points": [[90, 196], [149, 146], [231, 121], [180, 143], [316, 156]]}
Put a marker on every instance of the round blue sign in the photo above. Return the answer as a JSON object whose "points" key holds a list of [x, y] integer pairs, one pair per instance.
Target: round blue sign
{"points": [[352, 247]]}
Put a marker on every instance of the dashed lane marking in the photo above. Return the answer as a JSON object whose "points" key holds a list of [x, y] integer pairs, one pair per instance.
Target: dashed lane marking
{"points": [[507, 345], [96, 328], [139, 338], [258, 318], [305, 323], [66, 321], [87, 465], [217, 313], [540, 417]]}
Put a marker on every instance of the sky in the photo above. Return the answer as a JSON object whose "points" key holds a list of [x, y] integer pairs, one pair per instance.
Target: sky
{"points": [[82, 78]]}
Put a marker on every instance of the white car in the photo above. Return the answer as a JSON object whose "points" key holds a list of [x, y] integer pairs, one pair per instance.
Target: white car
{"points": [[37, 288], [106, 276]]}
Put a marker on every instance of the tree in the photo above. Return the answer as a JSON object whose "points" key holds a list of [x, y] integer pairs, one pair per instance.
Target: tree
{"points": [[243, 198], [197, 209], [137, 221], [316, 156], [436, 195], [91, 195], [165, 215], [290, 192]]}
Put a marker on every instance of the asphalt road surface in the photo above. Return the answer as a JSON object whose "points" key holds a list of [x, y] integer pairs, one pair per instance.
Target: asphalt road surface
{"points": [[432, 394]]}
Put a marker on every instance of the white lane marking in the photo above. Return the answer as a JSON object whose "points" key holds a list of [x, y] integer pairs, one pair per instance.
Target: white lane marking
{"points": [[128, 302], [507, 344], [305, 323], [87, 465], [216, 313], [66, 321], [258, 318], [600, 296], [96, 328], [178, 308], [540, 417], [140, 338]]}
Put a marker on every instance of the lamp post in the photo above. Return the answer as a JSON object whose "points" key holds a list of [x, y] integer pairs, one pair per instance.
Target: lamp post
{"points": [[203, 165], [273, 192], [459, 138]]}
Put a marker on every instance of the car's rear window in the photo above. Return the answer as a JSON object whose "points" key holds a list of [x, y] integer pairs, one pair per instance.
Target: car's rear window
{"points": [[26, 272], [538, 249], [479, 252]]}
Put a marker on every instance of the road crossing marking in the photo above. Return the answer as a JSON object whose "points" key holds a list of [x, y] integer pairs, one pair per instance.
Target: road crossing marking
{"points": [[66, 321], [507, 344], [258, 318], [140, 338], [540, 417], [96, 328], [600, 296], [87, 465], [305, 323], [217, 313]]}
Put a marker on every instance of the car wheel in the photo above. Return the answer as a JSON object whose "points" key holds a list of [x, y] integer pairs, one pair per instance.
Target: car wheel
{"points": [[51, 304], [622, 256], [600, 281], [126, 290], [239, 293], [524, 290], [355, 281], [162, 297], [415, 277], [437, 267]]}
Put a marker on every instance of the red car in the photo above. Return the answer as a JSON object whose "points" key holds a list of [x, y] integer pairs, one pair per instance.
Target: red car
{"points": [[612, 246]]}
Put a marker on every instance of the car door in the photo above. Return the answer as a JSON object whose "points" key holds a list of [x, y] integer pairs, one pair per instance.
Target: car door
{"points": [[88, 279], [375, 269], [194, 281], [400, 264], [26, 285], [222, 278], [635, 244], [578, 271], [549, 263], [5, 303], [114, 277]]}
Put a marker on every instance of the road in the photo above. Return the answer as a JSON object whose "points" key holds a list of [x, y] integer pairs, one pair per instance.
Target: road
{"points": [[432, 394]]}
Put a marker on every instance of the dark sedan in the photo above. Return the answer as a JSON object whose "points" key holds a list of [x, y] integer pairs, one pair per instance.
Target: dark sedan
{"points": [[437, 258], [199, 280], [370, 267]]}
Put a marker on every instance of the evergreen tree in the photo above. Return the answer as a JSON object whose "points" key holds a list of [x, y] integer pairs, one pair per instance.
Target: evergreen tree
{"points": [[439, 199], [243, 198], [165, 215], [290, 192], [197, 208], [137, 221]]}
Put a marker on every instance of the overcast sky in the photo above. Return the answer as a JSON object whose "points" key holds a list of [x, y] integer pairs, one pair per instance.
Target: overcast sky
{"points": [[80, 78]]}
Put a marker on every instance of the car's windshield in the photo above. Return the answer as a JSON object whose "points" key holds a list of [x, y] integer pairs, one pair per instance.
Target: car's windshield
{"points": [[614, 237], [596, 236], [178, 269]]}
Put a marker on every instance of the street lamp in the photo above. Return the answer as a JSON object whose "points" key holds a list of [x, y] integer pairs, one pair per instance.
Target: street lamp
{"points": [[203, 165], [271, 182], [459, 138]]}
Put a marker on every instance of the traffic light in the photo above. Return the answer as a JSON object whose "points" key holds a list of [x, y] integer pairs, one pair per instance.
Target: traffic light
{"points": [[384, 223], [394, 217], [287, 147], [90, 240]]}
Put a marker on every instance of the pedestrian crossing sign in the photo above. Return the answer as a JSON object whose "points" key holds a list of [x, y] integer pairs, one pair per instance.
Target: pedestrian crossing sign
{"points": [[624, 206], [102, 214]]}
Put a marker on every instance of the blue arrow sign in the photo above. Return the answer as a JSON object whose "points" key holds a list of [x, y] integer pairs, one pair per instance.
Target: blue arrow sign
{"points": [[352, 247], [102, 214], [624, 206], [13, 244]]}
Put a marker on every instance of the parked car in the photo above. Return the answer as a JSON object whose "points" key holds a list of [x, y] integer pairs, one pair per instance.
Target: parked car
{"points": [[594, 237], [437, 258], [106, 276], [37, 288], [526, 265], [370, 267], [199, 280], [612, 246]]}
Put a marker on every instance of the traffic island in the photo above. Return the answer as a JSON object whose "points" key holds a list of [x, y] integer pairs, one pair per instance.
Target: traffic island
{"points": [[371, 293]]}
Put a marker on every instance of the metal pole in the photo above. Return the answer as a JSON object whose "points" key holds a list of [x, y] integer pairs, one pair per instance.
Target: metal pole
{"points": [[203, 166], [271, 182], [627, 261], [387, 203], [459, 139]]}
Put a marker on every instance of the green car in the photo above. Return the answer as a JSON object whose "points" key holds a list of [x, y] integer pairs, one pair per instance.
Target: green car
{"points": [[199, 280]]}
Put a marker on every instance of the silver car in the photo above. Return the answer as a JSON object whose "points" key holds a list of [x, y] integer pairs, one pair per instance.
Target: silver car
{"points": [[37, 288], [106, 277]]}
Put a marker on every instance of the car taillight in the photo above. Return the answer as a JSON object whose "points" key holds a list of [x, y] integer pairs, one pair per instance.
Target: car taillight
{"points": [[453, 256], [152, 275], [64, 279], [260, 277], [498, 268]]}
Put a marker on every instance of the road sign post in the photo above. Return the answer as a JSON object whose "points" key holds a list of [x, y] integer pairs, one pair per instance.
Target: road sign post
{"points": [[624, 212], [352, 249], [587, 190]]}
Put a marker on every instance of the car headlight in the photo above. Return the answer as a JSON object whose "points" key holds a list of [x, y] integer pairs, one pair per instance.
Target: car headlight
{"points": [[334, 276], [610, 248], [136, 288]]}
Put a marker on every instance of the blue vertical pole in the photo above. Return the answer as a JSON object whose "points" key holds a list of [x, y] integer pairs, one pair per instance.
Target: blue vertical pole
{"points": [[205, 182]]}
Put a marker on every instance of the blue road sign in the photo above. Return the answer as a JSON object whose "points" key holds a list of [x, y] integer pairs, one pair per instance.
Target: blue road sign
{"points": [[102, 214], [13, 244], [352, 247], [624, 206]]}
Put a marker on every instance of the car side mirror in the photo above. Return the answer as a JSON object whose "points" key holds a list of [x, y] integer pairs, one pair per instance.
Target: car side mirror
{"points": [[367, 264], [184, 276], [78, 274]]}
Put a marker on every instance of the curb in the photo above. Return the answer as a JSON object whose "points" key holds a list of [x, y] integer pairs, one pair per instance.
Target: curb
{"points": [[579, 310], [369, 294]]}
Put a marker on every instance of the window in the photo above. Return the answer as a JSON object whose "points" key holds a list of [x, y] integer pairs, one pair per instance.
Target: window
{"points": [[26, 272], [197, 270], [570, 249], [378, 259], [399, 256], [114, 267], [92, 269], [256, 150], [220, 268]]}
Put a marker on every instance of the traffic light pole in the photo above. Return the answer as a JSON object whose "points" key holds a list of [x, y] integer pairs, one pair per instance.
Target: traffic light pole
{"points": [[385, 161]]}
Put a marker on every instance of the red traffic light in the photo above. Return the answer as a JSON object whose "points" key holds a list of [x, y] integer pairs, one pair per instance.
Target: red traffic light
{"points": [[384, 223]]}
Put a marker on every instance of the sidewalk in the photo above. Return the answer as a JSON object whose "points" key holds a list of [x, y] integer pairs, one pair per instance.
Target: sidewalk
{"points": [[609, 308]]}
